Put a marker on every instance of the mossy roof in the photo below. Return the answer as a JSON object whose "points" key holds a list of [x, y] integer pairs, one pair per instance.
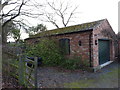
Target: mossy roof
{"points": [[69, 29]]}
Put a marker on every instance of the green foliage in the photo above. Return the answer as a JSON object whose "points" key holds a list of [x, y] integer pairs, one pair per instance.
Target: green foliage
{"points": [[75, 63], [48, 50], [51, 54], [16, 34], [36, 29], [10, 30], [69, 64]]}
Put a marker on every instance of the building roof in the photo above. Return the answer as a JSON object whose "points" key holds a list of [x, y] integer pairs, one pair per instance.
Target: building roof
{"points": [[70, 29]]}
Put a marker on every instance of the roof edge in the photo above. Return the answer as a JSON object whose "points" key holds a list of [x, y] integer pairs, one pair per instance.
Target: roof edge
{"points": [[59, 34]]}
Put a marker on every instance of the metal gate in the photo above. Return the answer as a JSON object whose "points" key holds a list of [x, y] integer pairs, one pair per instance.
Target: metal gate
{"points": [[104, 51]]}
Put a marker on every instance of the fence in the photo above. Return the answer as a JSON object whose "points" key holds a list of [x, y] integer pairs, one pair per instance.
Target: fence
{"points": [[25, 75], [31, 72], [16, 66]]}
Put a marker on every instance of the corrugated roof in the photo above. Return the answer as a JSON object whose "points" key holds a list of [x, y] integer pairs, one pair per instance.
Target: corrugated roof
{"points": [[69, 29]]}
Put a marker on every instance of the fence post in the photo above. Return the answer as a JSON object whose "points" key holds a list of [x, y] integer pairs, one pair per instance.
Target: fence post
{"points": [[36, 64], [21, 70]]}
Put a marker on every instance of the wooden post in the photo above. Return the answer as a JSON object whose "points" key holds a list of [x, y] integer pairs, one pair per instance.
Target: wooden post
{"points": [[21, 70], [36, 64]]}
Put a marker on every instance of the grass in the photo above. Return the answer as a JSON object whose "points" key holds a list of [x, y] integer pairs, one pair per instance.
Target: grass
{"points": [[109, 78], [80, 84]]}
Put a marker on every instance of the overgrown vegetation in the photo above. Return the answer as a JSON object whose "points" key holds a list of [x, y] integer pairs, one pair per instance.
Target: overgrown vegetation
{"points": [[75, 63], [46, 48], [8, 80], [50, 52]]}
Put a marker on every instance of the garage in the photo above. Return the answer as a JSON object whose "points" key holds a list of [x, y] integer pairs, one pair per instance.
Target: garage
{"points": [[104, 51]]}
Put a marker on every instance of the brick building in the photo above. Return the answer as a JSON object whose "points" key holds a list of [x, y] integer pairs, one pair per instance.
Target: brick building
{"points": [[93, 41]]}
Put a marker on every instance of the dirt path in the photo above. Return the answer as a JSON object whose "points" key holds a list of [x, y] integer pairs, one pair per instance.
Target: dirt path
{"points": [[50, 77]]}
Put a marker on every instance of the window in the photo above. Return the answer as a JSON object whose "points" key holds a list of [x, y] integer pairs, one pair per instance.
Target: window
{"points": [[65, 45]]}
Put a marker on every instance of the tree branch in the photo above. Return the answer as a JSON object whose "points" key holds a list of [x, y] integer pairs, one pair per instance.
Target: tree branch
{"points": [[70, 16], [61, 13], [15, 15], [4, 15], [52, 21], [3, 5]]}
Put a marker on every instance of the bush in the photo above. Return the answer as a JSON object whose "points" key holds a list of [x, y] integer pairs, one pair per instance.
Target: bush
{"points": [[48, 50], [75, 63]]}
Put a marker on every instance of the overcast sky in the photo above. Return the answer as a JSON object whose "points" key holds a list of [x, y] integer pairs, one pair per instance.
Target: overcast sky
{"points": [[91, 10]]}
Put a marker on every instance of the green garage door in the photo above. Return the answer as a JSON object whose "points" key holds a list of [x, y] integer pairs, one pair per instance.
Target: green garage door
{"points": [[104, 51]]}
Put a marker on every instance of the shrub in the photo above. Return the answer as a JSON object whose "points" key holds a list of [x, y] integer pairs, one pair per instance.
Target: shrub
{"points": [[75, 63], [50, 52], [47, 49]]}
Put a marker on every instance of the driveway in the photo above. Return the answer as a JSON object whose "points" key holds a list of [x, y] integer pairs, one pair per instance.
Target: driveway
{"points": [[52, 77]]}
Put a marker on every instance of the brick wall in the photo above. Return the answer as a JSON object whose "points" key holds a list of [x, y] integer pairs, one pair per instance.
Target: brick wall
{"points": [[75, 49], [103, 31]]}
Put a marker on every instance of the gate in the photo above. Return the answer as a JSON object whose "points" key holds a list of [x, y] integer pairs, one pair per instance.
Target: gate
{"points": [[31, 73], [27, 76]]}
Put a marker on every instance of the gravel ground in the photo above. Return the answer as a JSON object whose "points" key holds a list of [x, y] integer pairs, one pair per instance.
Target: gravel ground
{"points": [[53, 77]]}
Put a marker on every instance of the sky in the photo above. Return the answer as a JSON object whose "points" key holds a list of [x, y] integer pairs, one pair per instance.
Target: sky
{"points": [[89, 10]]}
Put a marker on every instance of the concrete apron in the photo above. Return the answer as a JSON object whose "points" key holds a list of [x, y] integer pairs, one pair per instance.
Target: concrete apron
{"points": [[101, 66], [105, 64]]}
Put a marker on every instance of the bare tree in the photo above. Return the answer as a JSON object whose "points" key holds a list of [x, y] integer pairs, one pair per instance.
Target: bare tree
{"points": [[7, 17], [61, 12], [12, 9]]}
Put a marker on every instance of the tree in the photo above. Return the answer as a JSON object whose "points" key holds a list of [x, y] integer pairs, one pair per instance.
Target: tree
{"points": [[61, 12], [16, 34], [12, 30], [10, 15], [12, 9], [36, 29]]}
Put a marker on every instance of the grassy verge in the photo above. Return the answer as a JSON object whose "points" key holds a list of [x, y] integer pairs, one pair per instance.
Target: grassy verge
{"points": [[104, 80]]}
